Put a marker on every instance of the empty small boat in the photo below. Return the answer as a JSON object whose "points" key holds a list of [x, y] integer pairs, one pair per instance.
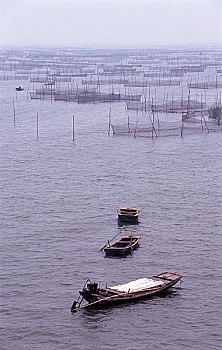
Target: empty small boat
{"points": [[128, 214], [126, 245], [19, 88]]}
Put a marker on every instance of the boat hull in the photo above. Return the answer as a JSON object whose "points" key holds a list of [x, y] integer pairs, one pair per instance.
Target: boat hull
{"points": [[122, 252], [106, 297], [127, 218], [128, 214], [126, 245]]}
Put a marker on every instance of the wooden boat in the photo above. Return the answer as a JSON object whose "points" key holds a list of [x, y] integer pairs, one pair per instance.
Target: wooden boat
{"points": [[128, 214], [127, 244], [126, 292]]}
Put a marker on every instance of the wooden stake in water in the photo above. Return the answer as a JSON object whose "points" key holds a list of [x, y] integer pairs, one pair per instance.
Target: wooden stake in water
{"points": [[181, 131], [109, 120], [135, 129], [14, 110], [73, 127], [37, 125]]}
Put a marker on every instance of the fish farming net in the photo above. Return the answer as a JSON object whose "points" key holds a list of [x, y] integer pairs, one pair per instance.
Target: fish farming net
{"points": [[173, 106], [165, 129]]}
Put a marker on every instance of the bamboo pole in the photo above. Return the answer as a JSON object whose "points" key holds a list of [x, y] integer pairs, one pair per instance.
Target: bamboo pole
{"points": [[181, 132], [37, 125], [14, 111], [73, 127], [205, 122], [109, 121], [135, 128], [152, 121]]}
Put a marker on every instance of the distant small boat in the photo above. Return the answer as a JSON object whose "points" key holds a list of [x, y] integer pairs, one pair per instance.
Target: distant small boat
{"points": [[128, 214], [126, 292], [126, 245], [19, 88]]}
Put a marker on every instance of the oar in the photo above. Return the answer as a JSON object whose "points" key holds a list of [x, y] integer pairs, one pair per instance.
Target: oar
{"points": [[112, 296], [104, 246], [109, 242]]}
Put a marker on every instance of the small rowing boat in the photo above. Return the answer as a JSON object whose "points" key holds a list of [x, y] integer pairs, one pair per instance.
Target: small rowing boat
{"points": [[126, 292], [126, 245], [19, 88], [128, 214]]}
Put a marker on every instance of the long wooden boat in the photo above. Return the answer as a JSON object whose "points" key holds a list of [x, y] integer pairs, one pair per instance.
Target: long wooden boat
{"points": [[126, 292], [126, 245], [128, 214]]}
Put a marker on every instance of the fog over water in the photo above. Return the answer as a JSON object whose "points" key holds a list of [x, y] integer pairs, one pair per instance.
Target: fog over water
{"points": [[110, 23]]}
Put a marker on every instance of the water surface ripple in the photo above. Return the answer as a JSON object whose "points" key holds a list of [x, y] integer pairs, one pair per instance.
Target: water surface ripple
{"points": [[59, 202]]}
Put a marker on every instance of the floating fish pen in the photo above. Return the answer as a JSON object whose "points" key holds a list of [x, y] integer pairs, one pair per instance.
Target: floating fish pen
{"points": [[104, 81], [46, 92], [164, 129], [75, 96], [163, 73], [81, 95], [98, 97], [59, 95], [203, 119], [21, 77], [154, 74], [187, 69], [157, 82], [170, 106], [148, 130], [130, 97], [91, 95], [61, 79], [98, 72], [205, 85], [195, 116], [117, 73], [42, 80], [120, 69], [41, 94], [215, 114], [72, 95], [136, 106], [5, 75], [78, 75], [9, 77], [69, 75]]}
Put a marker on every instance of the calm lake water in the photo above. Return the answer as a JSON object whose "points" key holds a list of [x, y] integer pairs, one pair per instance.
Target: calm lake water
{"points": [[59, 202]]}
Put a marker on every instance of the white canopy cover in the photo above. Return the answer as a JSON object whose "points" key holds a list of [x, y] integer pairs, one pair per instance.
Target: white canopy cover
{"points": [[134, 286]]}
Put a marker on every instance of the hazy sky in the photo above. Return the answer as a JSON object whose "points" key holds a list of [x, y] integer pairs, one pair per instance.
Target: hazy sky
{"points": [[110, 23]]}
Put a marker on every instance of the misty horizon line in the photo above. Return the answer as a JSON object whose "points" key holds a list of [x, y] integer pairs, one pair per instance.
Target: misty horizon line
{"points": [[107, 47]]}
